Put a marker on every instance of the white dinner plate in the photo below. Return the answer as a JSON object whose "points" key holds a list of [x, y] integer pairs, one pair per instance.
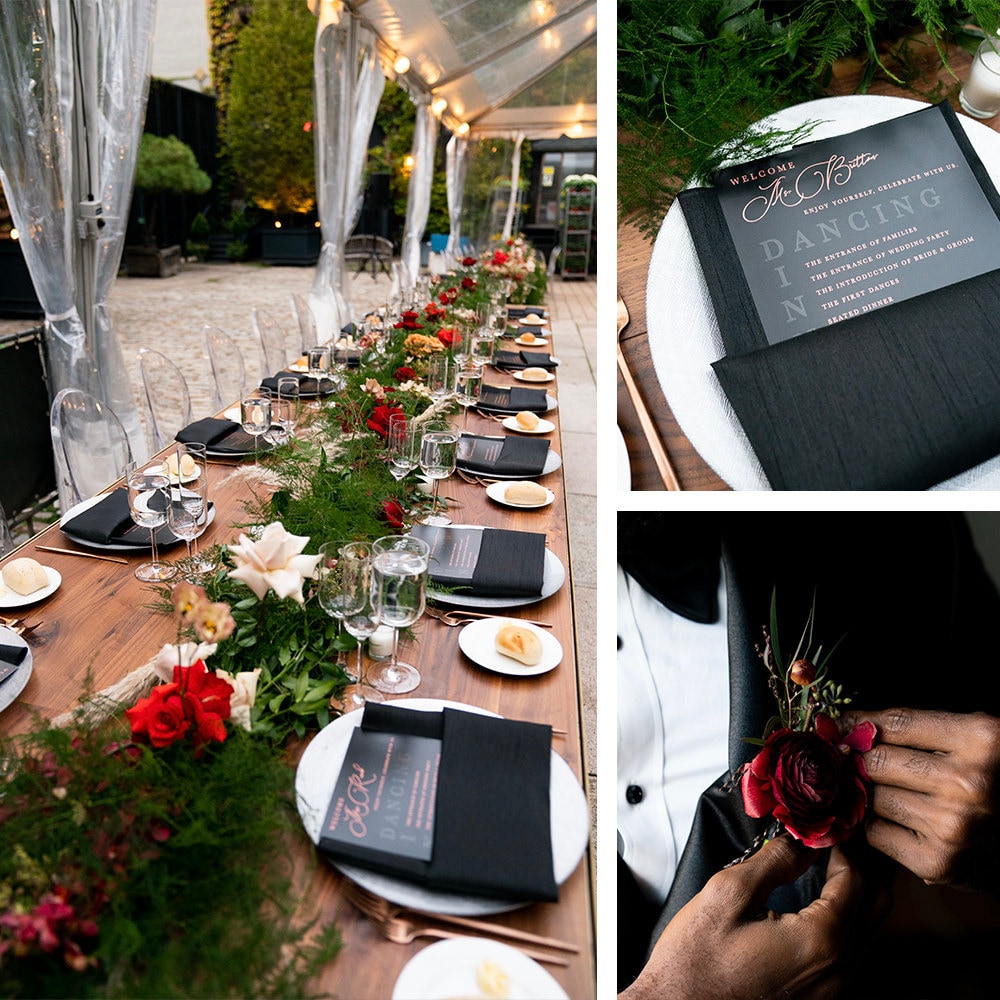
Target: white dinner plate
{"points": [[14, 685], [117, 546], [549, 377], [171, 476], [537, 342], [553, 460], [450, 968], [624, 468], [550, 404], [532, 319], [478, 641], [316, 778], [495, 491], [553, 577], [10, 599], [544, 426]]}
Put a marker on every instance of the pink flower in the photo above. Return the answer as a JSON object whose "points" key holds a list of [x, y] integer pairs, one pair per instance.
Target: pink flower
{"points": [[814, 783]]}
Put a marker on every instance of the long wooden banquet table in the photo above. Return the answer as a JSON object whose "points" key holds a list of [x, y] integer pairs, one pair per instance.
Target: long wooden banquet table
{"points": [[97, 627]]}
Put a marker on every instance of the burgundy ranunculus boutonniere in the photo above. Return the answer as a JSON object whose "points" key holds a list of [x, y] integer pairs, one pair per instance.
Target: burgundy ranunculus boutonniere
{"points": [[809, 775]]}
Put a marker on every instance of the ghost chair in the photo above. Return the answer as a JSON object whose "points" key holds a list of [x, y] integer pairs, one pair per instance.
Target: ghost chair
{"points": [[168, 402], [305, 322], [273, 346], [229, 371], [89, 442], [6, 541]]}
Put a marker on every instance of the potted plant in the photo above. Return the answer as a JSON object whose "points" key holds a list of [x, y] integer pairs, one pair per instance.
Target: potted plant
{"points": [[197, 243], [165, 165]]}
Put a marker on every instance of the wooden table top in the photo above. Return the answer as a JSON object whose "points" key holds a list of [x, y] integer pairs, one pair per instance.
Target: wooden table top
{"points": [[97, 624], [634, 252]]}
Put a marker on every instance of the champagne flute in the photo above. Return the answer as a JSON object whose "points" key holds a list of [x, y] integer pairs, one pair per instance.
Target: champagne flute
{"points": [[438, 452], [147, 503], [468, 385], [255, 415], [332, 598], [356, 583], [399, 594], [404, 450]]}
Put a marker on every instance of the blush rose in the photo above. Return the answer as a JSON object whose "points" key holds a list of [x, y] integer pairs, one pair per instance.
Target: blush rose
{"points": [[814, 783]]}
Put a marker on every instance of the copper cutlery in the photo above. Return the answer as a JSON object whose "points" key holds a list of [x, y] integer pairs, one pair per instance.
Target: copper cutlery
{"points": [[459, 617], [84, 555]]}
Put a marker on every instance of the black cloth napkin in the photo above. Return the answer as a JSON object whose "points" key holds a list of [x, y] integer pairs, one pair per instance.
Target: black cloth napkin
{"points": [[517, 360], [14, 655], [512, 399], [492, 825], [308, 386], [109, 522], [519, 312], [221, 436], [508, 563], [508, 456]]}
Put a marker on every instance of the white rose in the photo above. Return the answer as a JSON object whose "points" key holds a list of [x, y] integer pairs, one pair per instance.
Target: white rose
{"points": [[244, 694], [274, 561], [184, 655]]}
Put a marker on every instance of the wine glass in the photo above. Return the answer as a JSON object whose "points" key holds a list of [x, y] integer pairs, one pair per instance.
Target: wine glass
{"points": [[403, 443], [288, 390], [147, 503], [255, 415], [483, 344], [399, 594], [461, 348], [356, 582], [187, 511], [279, 430], [440, 380], [332, 598], [438, 452], [469, 381], [319, 363]]}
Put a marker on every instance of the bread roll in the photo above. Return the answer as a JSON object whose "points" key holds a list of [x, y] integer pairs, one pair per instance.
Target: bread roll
{"points": [[525, 493], [188, 466], [24, 576], [519, 643], [533, 319], [527, 337], [527, 420], [535, 375]]}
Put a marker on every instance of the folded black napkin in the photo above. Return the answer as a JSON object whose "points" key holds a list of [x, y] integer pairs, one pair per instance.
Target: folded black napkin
{"points": [[517, 360], [512, 399], [308, 386], [519, 312], [109, 522], [506, 456], [488, 562], [350, 356], [221, 436], [12, 655], [492, 827]]}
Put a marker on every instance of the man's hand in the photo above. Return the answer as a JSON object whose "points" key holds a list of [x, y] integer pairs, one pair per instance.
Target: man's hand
{"points": [[935, 797], [724, 943]]}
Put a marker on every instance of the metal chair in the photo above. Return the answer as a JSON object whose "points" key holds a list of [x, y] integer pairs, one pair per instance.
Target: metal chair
{"points": [[229, 371], [273, 347], [90, 443], [168, 402], [305, 322]]}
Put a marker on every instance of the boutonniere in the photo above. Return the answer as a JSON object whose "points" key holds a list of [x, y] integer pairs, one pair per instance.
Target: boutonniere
{"points": [[809, 775]]}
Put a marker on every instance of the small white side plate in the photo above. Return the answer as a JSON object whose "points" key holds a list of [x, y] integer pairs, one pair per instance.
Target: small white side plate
{"points": [[495, 491], [11, 599], [478, 641]]}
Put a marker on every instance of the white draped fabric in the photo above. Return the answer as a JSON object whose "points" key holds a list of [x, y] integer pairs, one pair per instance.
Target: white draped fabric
{"points": [[75, 76], [349, 85], [418, 201], [456, 167]]}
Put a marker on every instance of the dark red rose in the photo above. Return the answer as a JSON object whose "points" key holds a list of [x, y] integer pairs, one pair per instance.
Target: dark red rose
{"points": [[468, 282], [468, 261], [814, 783], [378, 421], [448, 336], [392, 513], [404, 374], [162, 718], [408, 321]]}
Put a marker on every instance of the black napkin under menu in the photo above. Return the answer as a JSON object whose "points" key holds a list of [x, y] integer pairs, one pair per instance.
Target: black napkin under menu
{"points": [[518, 360], [519, 312], [492, 824], [108, 522], [221, 436], [485, 562], [308, 386], [512, 399], [506, 456], [14, 655]]}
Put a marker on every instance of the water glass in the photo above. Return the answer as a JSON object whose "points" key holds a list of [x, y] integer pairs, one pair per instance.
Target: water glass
{"points": [[438, 452], [255, 414], [469, 382], [403, 441], [148, 495], [187, 511]]}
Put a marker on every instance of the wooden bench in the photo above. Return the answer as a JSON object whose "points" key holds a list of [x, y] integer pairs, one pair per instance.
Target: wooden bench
{"points": [[369, 250]]}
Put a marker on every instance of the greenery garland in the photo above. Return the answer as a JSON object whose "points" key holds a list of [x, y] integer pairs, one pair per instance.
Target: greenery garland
{"points": [[694, 77]]}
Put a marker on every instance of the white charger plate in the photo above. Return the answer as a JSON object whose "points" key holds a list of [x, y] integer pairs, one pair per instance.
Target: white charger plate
{"points": [[316, 778], [624, 467], [544, 426], [537, 342], [553, 577], [549, 377], [478, 641], [11, 599], [553, 460], [448, 969], [495, 491], [14, 685], [116, 546], [550, 404]]}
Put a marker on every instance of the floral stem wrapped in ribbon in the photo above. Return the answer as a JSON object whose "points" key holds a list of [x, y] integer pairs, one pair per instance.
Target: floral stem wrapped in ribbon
{"points": [[809, 775]]}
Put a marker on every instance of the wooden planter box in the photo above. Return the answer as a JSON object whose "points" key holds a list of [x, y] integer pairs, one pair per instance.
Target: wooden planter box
{"points": [[297, 247], [152, 262]]}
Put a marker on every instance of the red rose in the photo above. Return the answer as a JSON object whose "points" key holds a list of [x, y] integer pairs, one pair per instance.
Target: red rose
{"points": [[392, 512], [378, 421], [162, 718], [468, 282], [814, 783], [468, 261], [448, 336], [500, 258], [404, 374], [408, 321]]}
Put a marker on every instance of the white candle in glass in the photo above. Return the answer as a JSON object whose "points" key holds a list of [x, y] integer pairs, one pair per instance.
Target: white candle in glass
{"points": [[380, 643], [980, 95]]}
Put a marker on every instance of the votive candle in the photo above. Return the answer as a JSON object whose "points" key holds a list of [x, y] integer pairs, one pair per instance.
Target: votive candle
{"points": [[380, 643], [980, 94]]}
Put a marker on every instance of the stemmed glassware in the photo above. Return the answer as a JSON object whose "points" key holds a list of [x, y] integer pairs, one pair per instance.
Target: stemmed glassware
{"points": [[438, 452], [440, 376], [461, 348], [399, 595], [148, 496], [255, 415], [288, 392], [403, 440], [319, 363], [332, 598], [361, 618], [483, 343], [469, 382], [187, 510]]}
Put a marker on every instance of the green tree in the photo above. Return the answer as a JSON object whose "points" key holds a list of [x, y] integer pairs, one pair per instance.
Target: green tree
{"points": [[269, 125], [166, 165]]}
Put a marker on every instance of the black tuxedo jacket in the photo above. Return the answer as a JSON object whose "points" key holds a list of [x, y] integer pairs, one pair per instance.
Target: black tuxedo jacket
{"points": [[907, 592]]}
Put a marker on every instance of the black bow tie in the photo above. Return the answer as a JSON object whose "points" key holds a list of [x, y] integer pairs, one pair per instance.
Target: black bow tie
{"points": [[675, 559]]}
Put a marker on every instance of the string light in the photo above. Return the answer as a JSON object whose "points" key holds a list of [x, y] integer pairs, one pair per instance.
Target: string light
{"points": [[401, 65]]}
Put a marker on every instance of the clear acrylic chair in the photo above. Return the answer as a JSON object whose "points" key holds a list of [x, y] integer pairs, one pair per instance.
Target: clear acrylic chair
{"points": [[6, 542], [305, 322], [228, 368], [168, 402], [273, 346], [90, 441]]}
